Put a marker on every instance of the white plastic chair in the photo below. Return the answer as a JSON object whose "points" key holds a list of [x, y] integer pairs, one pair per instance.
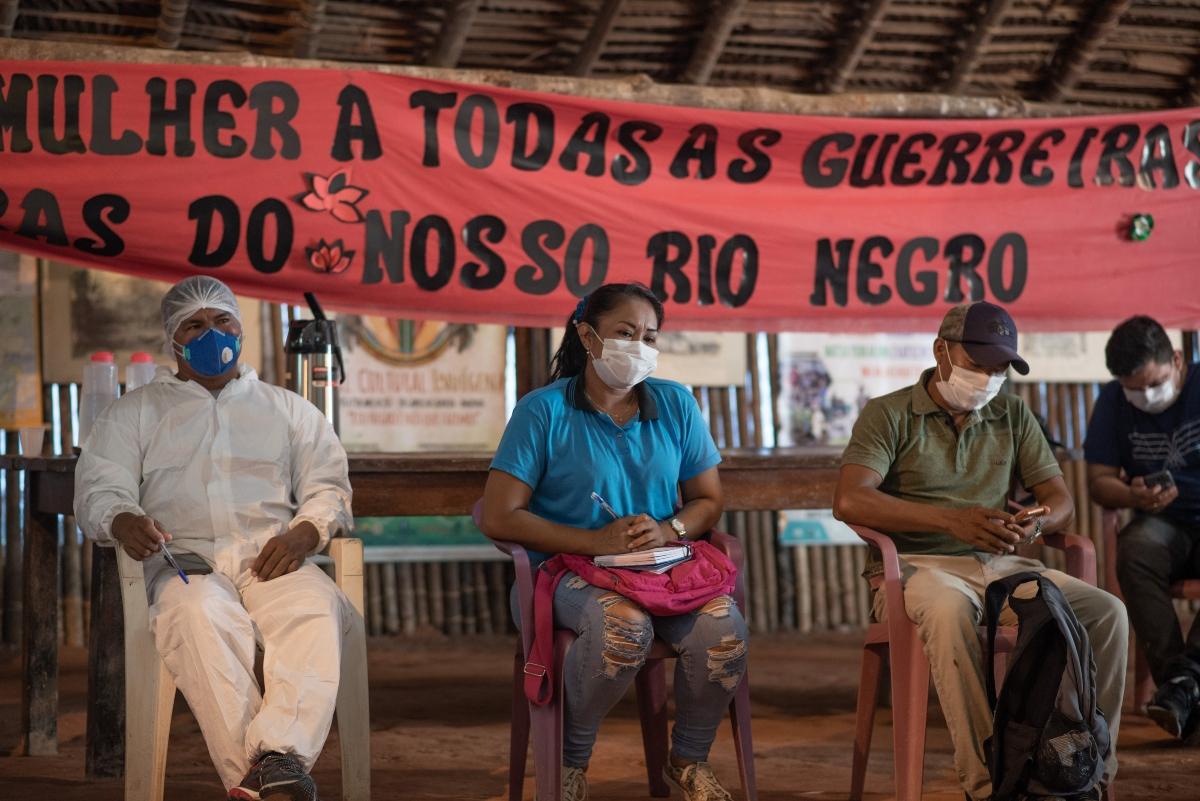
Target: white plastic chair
{"points": [[150, 690]]}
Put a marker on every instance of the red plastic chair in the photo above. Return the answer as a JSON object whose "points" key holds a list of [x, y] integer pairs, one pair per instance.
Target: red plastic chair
{"points": [[545, 723], [897, 641], [1187, 590]]}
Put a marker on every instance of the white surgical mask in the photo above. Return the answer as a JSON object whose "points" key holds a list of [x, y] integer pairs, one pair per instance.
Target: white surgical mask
{"points": [[1153, 400], [967, 390], [624, 364]]}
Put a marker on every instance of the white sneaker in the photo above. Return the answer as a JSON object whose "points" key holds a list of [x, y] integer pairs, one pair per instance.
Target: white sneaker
{"points": [[574, 784], [697, 782]]}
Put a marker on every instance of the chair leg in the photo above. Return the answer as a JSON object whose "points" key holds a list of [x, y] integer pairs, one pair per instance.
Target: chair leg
{"points": [[518, 737], [869, 681], [910, 708], [353, 717], [739, 717], [150, 697], [1143, 682], [546, 728], [651, 683]]}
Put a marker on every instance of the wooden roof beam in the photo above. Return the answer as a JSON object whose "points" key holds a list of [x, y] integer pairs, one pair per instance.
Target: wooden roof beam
{"points": [[722, 17], [1077, 52], [8, 16], [593, 45], [988, 16], [308, 35], [855, 38], [170, 24], [455, 26]]}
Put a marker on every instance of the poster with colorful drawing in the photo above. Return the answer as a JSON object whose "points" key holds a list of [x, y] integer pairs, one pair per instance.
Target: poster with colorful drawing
{"points": [[828, 378]]}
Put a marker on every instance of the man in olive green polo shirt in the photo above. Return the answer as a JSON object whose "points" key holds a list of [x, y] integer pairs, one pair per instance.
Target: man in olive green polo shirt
{"points": [[931, 466]]}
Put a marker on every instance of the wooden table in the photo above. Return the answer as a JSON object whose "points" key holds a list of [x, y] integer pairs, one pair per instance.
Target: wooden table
{"points": [[384, 485]]}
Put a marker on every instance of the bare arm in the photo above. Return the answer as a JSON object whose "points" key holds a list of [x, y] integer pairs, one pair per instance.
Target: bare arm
{"points": [[703, 502], [1053, 492], [506, 516], [858, 500]]}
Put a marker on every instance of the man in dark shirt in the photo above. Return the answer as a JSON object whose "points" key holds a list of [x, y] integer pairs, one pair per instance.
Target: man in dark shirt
{"points": [[1144, 423]]}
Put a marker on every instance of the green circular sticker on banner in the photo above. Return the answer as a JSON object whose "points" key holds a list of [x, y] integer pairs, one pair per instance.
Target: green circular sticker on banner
{"points": [[1140, 227]]}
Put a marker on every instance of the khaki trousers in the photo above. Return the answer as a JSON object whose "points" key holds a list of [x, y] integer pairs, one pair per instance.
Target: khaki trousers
{"points": [[944, 597]]}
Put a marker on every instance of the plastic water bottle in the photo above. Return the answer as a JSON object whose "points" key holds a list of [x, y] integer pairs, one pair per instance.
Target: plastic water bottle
{"points": [[140, 371], [99, 390]]}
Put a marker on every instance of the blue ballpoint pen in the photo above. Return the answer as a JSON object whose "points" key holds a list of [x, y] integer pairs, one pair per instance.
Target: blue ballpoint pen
{"points": [[604, 505], [171, 561]]}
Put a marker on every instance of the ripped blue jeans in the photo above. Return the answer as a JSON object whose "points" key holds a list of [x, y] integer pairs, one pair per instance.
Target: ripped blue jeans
{"points": [[614, 637]]}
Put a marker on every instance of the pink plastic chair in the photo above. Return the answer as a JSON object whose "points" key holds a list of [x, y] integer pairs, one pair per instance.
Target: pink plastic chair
{"points": [[1187, 590], [545, 723], [897, 641]]}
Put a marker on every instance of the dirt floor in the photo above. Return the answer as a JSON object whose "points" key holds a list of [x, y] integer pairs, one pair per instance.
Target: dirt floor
{"points": [[439, 712]]}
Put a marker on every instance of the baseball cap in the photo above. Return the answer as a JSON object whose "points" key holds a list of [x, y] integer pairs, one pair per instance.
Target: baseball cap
{"points": [[986, 331]]}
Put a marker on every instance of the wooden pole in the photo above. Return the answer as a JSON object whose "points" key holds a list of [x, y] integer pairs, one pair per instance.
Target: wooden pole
{"points": [[13, 588], [1077, 52], [105, 757], [635, 89], [8, 17], [862, 23], [593, 45], [170, 23], [308, 39], [722, 18], [988, 16], [453, 36]]}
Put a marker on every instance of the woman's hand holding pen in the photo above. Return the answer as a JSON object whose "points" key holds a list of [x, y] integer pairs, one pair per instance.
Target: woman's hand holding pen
{"points": [[655, 535]]}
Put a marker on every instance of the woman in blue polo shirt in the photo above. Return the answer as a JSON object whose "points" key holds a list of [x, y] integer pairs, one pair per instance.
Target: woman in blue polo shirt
{"points": [[603, 425]]}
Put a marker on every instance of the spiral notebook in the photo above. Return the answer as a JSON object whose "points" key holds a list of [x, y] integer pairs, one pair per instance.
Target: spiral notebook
{"points": [[655, 560]]}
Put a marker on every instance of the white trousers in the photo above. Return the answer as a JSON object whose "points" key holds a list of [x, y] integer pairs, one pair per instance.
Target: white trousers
{"points": [[207, 632], [944, 596]]}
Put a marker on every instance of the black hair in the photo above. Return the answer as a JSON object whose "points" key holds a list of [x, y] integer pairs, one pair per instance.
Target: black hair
{"points": [[1135, 343], [571, 356]]}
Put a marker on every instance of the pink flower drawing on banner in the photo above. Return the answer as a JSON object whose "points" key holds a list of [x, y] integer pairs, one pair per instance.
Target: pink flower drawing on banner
{"points": [[329, 257], [334, 195]]}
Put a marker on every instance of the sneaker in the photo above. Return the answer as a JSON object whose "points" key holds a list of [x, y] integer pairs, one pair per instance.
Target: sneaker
{"points": [[697, 782], [574, 784], [275, 776], [1174, 705]]}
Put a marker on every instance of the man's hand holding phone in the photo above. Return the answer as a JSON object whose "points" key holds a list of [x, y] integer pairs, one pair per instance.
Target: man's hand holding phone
{"points": [[1028, 523], [1154, 492]]}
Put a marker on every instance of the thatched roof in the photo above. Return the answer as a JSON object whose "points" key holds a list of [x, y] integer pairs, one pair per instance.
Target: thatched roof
{"points": [[1120, 54]]}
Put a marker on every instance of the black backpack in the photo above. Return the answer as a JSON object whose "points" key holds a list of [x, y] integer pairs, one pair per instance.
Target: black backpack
{"points": [[1049, 738]]}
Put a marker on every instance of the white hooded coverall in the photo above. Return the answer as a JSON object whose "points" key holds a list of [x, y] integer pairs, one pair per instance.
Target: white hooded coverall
{"points": [[222, 476]]}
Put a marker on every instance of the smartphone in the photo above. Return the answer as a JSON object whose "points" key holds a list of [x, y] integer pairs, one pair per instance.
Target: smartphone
{"points": [[1162, 478], [1032, 513]]}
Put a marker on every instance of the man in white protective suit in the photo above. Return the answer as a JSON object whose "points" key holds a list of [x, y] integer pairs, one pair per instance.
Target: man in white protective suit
{"points": [[244, 480]]}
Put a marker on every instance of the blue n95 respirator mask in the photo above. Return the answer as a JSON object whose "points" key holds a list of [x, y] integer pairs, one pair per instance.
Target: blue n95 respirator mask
{"points": [[211, 353]]}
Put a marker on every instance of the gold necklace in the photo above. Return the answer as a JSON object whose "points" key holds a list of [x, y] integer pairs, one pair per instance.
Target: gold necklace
{"points": [[622, 417]]}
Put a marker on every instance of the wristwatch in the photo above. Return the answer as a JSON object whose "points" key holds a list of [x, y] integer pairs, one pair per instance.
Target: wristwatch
{"points": [[679, 527]]}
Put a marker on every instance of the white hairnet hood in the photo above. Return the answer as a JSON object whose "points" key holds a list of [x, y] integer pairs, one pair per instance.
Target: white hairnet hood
{"points": [[190, 296]]}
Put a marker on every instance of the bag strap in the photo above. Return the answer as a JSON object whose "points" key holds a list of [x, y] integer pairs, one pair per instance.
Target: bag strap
{"points": [[539, 662], [996, 595]]}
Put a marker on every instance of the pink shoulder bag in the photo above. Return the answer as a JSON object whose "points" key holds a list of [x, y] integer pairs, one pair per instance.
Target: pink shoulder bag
{"points": [[684, 588]]}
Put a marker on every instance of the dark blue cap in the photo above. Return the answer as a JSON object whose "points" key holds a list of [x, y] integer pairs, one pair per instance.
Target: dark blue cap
{"points": [[986, 331]]}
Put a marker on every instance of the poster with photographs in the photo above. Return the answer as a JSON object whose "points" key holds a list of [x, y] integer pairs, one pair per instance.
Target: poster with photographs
{"points": [[828, 378], [1070, 357], [84, 311], [695, 358], [421, 385], [20, 379]]}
